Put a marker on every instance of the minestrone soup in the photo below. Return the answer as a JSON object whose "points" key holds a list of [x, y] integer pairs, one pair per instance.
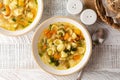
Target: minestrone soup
{"points": [[61, 45], [17, 14]]}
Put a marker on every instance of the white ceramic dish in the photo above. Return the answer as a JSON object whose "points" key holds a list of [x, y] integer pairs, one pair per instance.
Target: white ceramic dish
{"points": [[30, 27], [49, 69]]}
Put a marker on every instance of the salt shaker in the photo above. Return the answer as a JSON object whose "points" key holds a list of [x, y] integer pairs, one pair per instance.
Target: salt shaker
{"points": [[88, 17], [74, 6]]}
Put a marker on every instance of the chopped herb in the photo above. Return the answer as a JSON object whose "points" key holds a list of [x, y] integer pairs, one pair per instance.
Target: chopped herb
{"points": [[66, 51], [40, 54], [53, 60], [50, 26], [29, 21], [79, 43], [36, 1], [62, 24], [73, 49], [14, 19], [52, 43], [3, 9], [56, 63], [61, 34], [23, 26]]}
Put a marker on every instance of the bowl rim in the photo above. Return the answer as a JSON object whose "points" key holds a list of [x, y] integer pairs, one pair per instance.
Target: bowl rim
{"points": [[12, 33], [33, 39]]}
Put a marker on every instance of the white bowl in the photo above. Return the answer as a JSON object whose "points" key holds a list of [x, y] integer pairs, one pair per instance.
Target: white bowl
{"points": [[30, 27], [49, 69]]}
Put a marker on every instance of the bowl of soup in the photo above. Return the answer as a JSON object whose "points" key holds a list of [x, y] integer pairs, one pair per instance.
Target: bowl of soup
{"points": [[18, 17], [61, 45]]}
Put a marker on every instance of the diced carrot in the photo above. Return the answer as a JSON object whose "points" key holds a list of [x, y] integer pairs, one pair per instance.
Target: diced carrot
{"points": [[44, 47], [66, 27], [21, 3], [53, 32], [7, 10], [56, 56], [24, 23], [48, 35], [66, 36], [0, 15], [34, 12], [77, 38], [76, 57], [81, 37], [46, 31], [77, 31], [1, 5]]}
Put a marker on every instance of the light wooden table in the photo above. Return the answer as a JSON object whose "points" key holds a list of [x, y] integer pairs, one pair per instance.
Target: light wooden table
{"points": [[16, 54]]}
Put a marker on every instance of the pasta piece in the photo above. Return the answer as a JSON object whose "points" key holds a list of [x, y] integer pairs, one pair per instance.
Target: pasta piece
{"points": [[30, 15], [54, 27], [63, 54], [69, 39], [74, 36], [57, 42], [68, 46], [74, 45], [49, 41], [61, 27], [31, 5], [61, 32], [50, 51], [45, 58], [53, 47], [69, 31], [62, 58], [6, 2], [11, 20], [72, 52], [60, 47], [13, 5], [18, 11]]}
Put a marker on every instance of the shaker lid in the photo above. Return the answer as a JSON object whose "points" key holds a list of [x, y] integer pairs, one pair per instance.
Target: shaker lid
{"points": [[74, 6], [88, 17]]}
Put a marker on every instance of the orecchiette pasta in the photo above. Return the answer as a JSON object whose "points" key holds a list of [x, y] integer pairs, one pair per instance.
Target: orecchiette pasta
{"points": [[69, 31], [50, 51], [61, 32], [74, 36], [57, 42], [60, 47], [63, 54]]}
